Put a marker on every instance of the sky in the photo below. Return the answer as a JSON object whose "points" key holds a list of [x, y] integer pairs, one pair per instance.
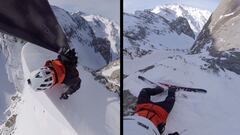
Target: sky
{"points": [[130, 6], [107, 8]]}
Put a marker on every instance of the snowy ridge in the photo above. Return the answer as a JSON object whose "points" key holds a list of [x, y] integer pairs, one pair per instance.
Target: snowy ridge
{"points": [[196, 17]]}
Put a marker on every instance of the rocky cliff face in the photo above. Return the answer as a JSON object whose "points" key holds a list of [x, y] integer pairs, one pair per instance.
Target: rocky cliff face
{"points": [[220, 37], [181, 25]]}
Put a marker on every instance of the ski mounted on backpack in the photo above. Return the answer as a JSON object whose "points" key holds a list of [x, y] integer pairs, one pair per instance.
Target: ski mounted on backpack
{"points": [[179, 88]]}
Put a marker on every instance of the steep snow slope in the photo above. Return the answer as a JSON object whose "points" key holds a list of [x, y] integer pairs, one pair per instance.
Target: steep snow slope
{"points": [[196, 17], [193, 113], [92, 110]]}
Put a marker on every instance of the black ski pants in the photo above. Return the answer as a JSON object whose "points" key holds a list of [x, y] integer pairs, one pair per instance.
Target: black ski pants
{"points": [[146, 93]]}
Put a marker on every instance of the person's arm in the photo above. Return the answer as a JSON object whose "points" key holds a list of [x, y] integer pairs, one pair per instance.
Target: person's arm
{"points": [[73, 83], [146, 93], [74, 86]]}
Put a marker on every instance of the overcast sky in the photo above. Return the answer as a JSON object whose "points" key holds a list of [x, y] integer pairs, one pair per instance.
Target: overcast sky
{"points": [[132, 5], [106, 8]]}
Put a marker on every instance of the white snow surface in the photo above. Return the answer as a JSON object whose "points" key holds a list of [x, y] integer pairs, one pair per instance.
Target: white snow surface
{"points": [[92, 110], [196, 17], [214, 113]]}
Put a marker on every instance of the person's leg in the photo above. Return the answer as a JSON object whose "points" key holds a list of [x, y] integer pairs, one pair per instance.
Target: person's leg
{"points": [[168, 103], [143, 96]]}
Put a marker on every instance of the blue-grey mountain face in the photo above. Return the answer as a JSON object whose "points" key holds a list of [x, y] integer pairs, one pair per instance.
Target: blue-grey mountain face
{"points": [[220, 36]]}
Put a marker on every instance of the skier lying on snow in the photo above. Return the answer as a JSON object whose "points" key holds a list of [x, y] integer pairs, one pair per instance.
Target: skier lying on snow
{"points": [[63, 70], [150, 118]]}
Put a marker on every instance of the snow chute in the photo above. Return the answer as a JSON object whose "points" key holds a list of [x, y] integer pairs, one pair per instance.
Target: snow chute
{"points": [[33, 21]]}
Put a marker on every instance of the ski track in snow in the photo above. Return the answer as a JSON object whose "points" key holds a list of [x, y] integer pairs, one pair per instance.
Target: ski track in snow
{"points": [[193, 113], [92, 110]]}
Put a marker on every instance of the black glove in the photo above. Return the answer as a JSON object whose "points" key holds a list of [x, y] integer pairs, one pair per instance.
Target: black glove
{"points": [[175, 133], [68, 57], [172, 89], [64, 96], [161, 89]]}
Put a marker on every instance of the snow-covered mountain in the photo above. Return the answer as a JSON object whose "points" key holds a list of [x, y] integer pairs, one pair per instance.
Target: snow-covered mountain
{"points": [[163, 27], [220, 37], [96, 46], [196, 17], [98, 36], [193, 113]]}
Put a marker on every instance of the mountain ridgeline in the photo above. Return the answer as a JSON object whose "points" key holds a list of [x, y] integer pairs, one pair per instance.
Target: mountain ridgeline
{"points": [[168, 27]]}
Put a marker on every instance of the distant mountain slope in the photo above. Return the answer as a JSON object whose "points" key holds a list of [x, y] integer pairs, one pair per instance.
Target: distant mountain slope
{"points": [[196, 17], [84, 34], [165, 27]]}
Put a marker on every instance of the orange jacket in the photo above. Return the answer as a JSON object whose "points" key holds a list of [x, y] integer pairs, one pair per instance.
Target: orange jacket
{"points": [[152, 112], [59, 70]]}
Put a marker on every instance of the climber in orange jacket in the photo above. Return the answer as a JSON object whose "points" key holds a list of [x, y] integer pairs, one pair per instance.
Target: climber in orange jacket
{"points": [[62, 70], [156, 112], [65, 72]]}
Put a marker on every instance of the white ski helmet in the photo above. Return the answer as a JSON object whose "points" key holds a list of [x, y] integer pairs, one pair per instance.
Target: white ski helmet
{"points": [[137, 125], [41, 79]]}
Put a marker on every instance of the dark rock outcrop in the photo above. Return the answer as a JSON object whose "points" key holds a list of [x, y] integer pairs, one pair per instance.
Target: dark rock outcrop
{"points": [[181, 25]]}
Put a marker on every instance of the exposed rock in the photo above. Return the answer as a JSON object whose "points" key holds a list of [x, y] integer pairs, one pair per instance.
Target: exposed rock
{"points": [[11, 121], [111, 81], [129, 103], [220, 36], [103, 46], [181, 25]]}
